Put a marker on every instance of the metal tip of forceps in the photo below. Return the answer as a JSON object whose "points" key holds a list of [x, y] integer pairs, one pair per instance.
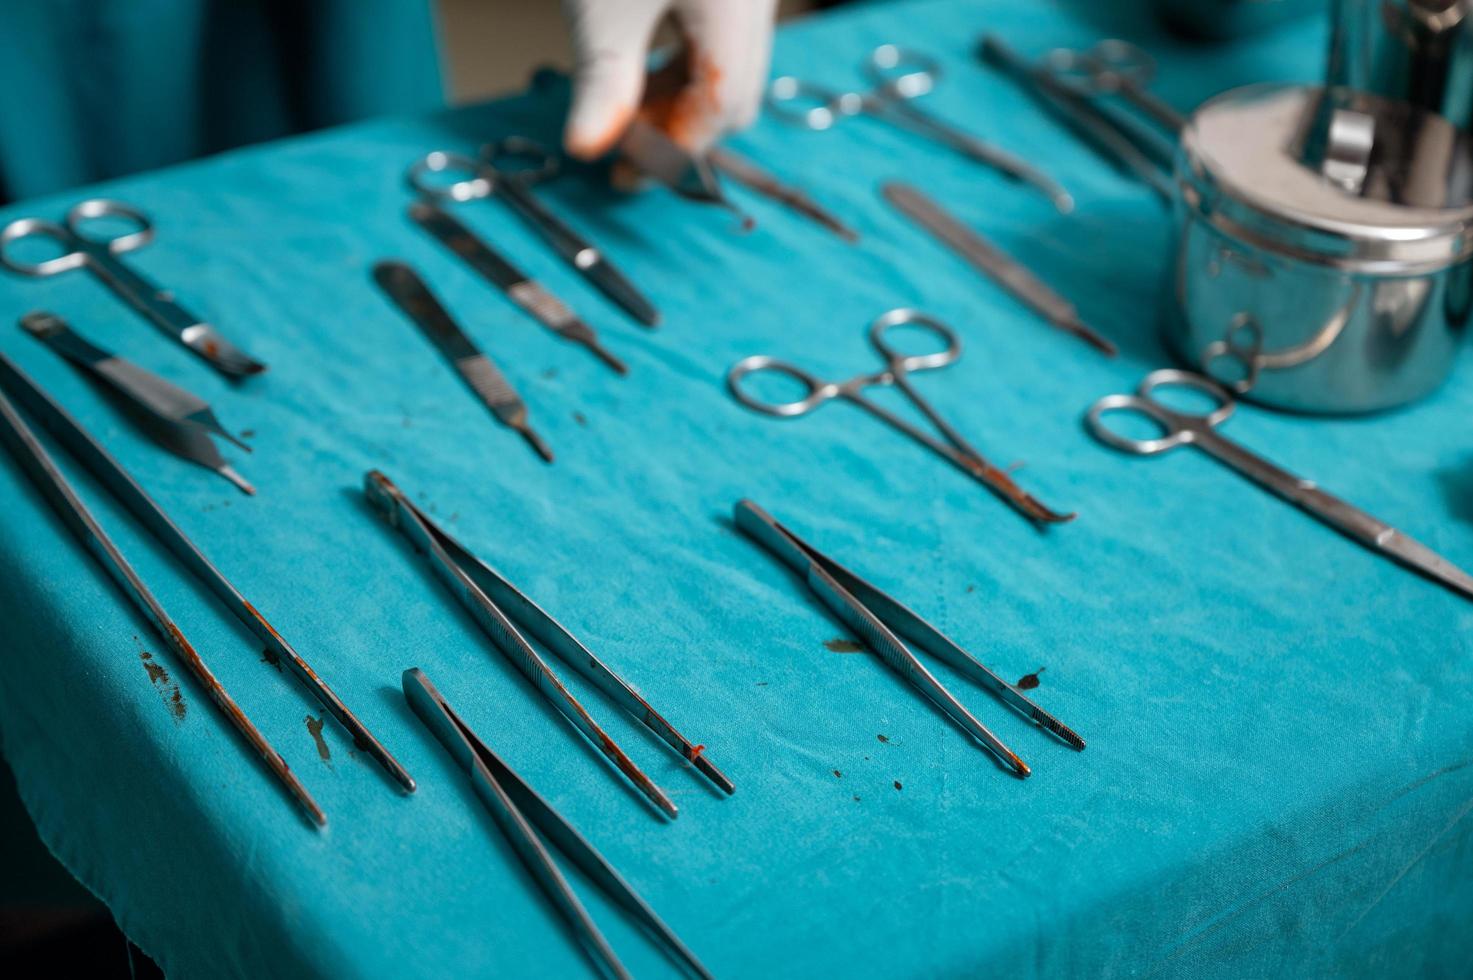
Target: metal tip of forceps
{"points": [[534, 828], [688, 175], [881, 622], [499, 608]]}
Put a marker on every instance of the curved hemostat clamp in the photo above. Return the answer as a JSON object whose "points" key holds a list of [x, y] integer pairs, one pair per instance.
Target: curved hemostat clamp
{"points": [[498, 606], [531, 824], [877, 619]]}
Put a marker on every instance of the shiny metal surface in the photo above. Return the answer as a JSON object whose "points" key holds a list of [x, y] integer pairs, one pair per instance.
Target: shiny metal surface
{"points": [[509, 169], [1418, 51], [1016, 278], [1183, 428], [499, 608], [747, 173], [405, 288], [897, 76], [175, 419], [1306, 280], [531, 824], [880, 621], [99, 255], [689, 175], [896, 372], [1116, 67]]}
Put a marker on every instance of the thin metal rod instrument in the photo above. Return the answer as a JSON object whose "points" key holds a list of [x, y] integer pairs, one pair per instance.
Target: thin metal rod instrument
{"points": [[881, 621], [99, 255], [1116, 67], [497, 606], [1097, 125], [175, 419], [994, 263], [525, 292], [509, 169], [110, 473], [689, 175], [898, 76], [534, 828], [898, 367], [1181, 428], [747, 173], [402, 285]]}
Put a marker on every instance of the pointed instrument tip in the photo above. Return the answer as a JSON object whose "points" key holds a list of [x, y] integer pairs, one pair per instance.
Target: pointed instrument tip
{"points": [[535, 441], [1060, 729], [240, 482]]}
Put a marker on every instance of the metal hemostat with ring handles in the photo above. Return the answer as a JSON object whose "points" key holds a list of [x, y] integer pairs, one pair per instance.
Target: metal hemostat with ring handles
{"points": [[881, 621], [534, 827], [27, 448], [99, 256], [955, 450], [497, 606], [1180, 428]]}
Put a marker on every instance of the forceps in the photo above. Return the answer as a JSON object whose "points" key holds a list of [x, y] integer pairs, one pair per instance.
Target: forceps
{"points": [[508, 169], [19, 390], [880, 621], [1115, 67], [497, 606], [898, 367], [898, 76], [99, 255], [1181, 428], [533, 827]]}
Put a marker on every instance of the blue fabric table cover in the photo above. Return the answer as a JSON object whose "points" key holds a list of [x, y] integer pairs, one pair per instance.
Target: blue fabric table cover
{"points": [[1280, 724]]}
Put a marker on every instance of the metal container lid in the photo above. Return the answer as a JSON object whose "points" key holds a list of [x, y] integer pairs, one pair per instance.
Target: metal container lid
{"points": [[1331, 176]]}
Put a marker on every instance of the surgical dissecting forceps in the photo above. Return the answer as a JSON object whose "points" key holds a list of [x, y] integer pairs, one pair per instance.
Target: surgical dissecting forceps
{"points": [[1182, 428], [899, 76], [533, 826], [508, 169], [881, 621], [20, 390], [1115, 67], [99, 255], [497, 606], [177, 420], [689, 175], [955, 449], [756, 179]]}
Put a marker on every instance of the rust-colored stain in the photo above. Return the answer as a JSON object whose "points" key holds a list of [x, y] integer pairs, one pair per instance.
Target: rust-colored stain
{"points": [[897, 784], [683, 95], [856, 799], [581, 419], [882, 738], [1029, 681], [268, 656], [158, 676], [314, 727], [840, 644], [838, 774]]}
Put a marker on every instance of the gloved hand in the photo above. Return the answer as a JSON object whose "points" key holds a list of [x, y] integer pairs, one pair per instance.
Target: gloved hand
{"points": [[715, 86]]}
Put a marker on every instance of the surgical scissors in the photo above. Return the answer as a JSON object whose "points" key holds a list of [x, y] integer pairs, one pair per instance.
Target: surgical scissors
{"points": [[1181, 428], [899, 76], [898, 367], [1115, 67], [99, 255], [509, 168]]}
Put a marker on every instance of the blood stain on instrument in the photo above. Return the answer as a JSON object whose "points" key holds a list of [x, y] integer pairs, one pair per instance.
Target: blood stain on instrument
{"points": [[314, 726], [840, 644], [884, 739], [1029, 681], [268, 656], [897, 784]]}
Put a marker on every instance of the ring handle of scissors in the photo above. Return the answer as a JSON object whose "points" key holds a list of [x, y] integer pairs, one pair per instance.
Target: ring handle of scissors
{"points": [[521, 158], [101, 207], [476, 183], [901, 73], [907, 317], [811, 106], [818, 391], [1178, 427], [1107, 66], [72, 258]]}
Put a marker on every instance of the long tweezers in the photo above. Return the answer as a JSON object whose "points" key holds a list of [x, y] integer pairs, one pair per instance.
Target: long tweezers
{"points": [[175, 419], [111, 474], [530, 823], [747, 173], [877, 618], [495, 604], [32, 456]]}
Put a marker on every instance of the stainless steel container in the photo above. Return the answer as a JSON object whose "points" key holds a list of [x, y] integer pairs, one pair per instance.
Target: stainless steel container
{"points": [[1321, 260], [1418, 51]]}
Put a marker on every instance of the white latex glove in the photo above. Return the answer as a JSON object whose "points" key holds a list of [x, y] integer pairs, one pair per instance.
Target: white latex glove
{"points": [[730, 44]]}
